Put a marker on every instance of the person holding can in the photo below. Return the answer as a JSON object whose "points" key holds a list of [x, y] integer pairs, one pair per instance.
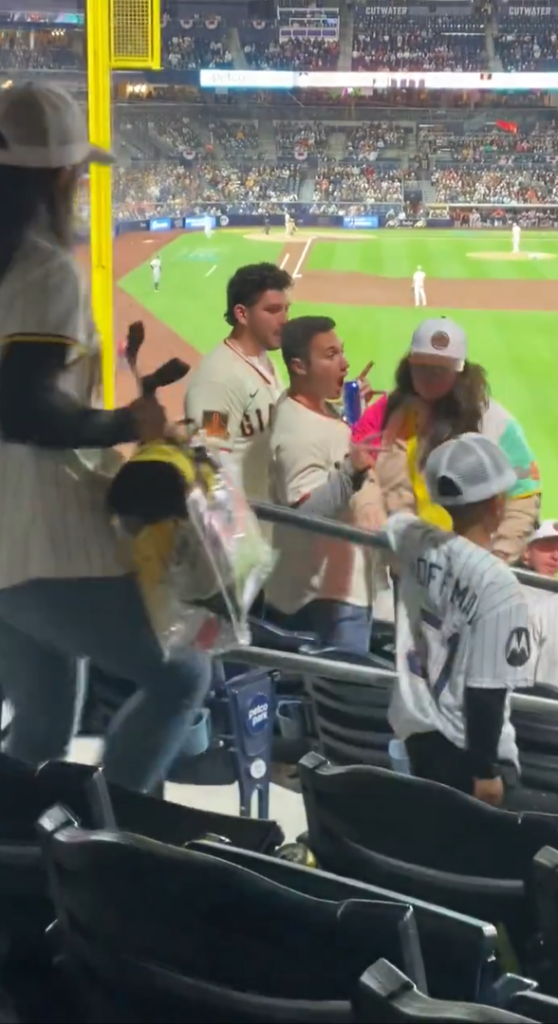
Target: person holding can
{"points": [[320, 585]]}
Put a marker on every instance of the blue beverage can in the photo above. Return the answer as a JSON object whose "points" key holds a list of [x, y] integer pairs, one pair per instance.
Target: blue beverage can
{"points": [[352, 402]]}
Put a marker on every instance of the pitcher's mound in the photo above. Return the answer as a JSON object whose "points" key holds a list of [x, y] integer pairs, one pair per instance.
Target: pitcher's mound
{"points": [[306, 235], [513, 257]]}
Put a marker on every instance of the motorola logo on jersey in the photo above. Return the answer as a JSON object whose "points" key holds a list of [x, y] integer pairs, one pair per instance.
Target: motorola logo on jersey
{"points": [[518, 647]]}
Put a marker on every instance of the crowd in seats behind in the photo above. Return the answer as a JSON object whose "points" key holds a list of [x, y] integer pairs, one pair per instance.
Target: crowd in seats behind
{"points": [[351, 183], [195, 42], [480, 185], [528, 43], [418, 44]]}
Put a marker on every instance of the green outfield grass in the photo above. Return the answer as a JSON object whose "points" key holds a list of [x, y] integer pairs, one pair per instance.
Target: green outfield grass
{"points": [[518, 349]]}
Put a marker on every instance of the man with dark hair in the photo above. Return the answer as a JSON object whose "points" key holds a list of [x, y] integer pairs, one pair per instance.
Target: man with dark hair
{"points": [[318, 584], [232, 393]]}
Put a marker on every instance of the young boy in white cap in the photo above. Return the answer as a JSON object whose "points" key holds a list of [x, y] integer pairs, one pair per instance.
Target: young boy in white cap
{"points": [[462, 627]]}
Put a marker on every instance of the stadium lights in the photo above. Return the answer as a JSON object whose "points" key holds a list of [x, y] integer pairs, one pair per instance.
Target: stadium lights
{"points": [[505, 81]]}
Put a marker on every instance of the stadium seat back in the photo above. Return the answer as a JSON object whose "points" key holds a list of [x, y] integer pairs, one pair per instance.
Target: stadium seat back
{"points": [[351, 718], [70, 784], [126, 900], [425, 839], [458, 951]]}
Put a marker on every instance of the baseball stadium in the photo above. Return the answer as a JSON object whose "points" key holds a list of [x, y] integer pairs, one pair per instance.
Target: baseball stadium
{"points": [[279, 566], [507, 303]]}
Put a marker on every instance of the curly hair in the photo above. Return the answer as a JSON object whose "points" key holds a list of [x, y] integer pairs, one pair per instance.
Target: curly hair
{"points": [[459, 412]]}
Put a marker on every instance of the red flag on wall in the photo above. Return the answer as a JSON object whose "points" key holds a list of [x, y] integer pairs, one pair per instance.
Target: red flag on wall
{"points": [[507, 126]]}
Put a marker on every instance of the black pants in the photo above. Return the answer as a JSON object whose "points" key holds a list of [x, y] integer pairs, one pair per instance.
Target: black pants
{"points": [[433, 757]]}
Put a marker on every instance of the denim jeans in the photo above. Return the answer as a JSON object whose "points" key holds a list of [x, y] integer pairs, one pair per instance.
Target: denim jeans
{"points": [[337, 623], [45, 626]]}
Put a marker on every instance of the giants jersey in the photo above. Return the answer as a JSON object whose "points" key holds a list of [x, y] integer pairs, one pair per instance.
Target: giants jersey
{"points": [[232, 398], [462, 621]]}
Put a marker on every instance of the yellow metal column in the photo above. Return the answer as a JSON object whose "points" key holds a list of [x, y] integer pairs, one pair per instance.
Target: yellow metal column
{"points": [[98, 86], [121, 35]]}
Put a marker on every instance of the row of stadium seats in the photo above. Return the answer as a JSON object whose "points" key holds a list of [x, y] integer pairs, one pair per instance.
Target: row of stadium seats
{"points": [[166, 913]]}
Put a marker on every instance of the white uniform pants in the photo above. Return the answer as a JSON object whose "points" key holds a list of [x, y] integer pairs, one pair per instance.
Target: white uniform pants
{"points": [[420, 297]]}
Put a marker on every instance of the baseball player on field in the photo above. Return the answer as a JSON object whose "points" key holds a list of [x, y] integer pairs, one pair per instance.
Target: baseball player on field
{"points": [[516, 238], [463, 639], [419, 278], [156, 271]]}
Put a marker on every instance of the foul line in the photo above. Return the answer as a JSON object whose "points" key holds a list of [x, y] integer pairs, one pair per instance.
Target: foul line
{"points": [[285, 261], [209, 272], [302, 258]]}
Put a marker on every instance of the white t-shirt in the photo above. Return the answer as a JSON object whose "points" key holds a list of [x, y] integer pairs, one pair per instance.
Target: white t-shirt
{"points": [[543, 623], [419, 278], [53, 522], [306, 447], [232, 399], [462, 620]]}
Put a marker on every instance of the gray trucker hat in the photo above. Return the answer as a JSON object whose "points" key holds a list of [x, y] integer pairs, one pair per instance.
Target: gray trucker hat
{"points": [[468, 469], [42, 126]]}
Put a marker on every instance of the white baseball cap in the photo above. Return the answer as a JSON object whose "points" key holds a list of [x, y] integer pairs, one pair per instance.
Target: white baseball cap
{"points": [[442, 340], [548, 528], [468, 469], [42, 126]]}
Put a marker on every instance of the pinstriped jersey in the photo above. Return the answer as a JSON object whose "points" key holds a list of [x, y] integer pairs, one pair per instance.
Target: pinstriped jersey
{"points": [[53, 519], [462, 621]]}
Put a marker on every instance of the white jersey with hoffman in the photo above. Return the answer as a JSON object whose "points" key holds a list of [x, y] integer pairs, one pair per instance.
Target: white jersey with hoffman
{"points": [[462, 621], [231, 398], [54, 523]]}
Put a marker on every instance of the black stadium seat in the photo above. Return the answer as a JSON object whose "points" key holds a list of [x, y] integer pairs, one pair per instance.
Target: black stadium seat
{"points": [[426, 840], [178, 935], [351, 718], [458, 951], [386, 995]]}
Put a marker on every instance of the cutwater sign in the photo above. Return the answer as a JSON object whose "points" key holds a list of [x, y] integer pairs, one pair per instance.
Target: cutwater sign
{"points": [[257, 713]]}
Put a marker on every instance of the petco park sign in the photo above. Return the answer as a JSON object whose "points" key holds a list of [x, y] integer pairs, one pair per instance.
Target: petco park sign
{"points": [[522, 81]]}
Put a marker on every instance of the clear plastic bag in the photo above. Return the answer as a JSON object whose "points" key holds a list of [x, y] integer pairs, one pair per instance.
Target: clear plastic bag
{"points": [[200, 576]]}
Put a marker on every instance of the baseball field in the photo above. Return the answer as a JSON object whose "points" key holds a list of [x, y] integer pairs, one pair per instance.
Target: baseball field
{"points": [[507, 303]]}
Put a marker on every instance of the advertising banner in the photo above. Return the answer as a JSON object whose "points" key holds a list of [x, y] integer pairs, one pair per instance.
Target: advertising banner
{"points": [[362, 221]]}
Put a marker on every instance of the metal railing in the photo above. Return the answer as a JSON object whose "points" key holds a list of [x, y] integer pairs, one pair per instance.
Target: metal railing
{"points": [[345, 671]]}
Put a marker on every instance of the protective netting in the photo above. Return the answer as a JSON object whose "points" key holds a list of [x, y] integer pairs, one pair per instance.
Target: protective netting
{"points": [[132, 24]]}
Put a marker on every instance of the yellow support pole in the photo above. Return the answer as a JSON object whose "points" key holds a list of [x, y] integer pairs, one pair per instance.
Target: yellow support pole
{"points": [[98, 87]]}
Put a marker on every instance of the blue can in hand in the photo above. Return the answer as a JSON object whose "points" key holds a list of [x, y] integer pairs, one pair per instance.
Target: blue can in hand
{"points": [[352, 402]]}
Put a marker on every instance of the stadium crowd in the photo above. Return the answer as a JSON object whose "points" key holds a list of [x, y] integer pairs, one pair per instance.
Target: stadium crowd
{"points": [[482, 185], [364, 141], [196, 42], [427, 44], [528, 43], [351, 183], [298, 54]]}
